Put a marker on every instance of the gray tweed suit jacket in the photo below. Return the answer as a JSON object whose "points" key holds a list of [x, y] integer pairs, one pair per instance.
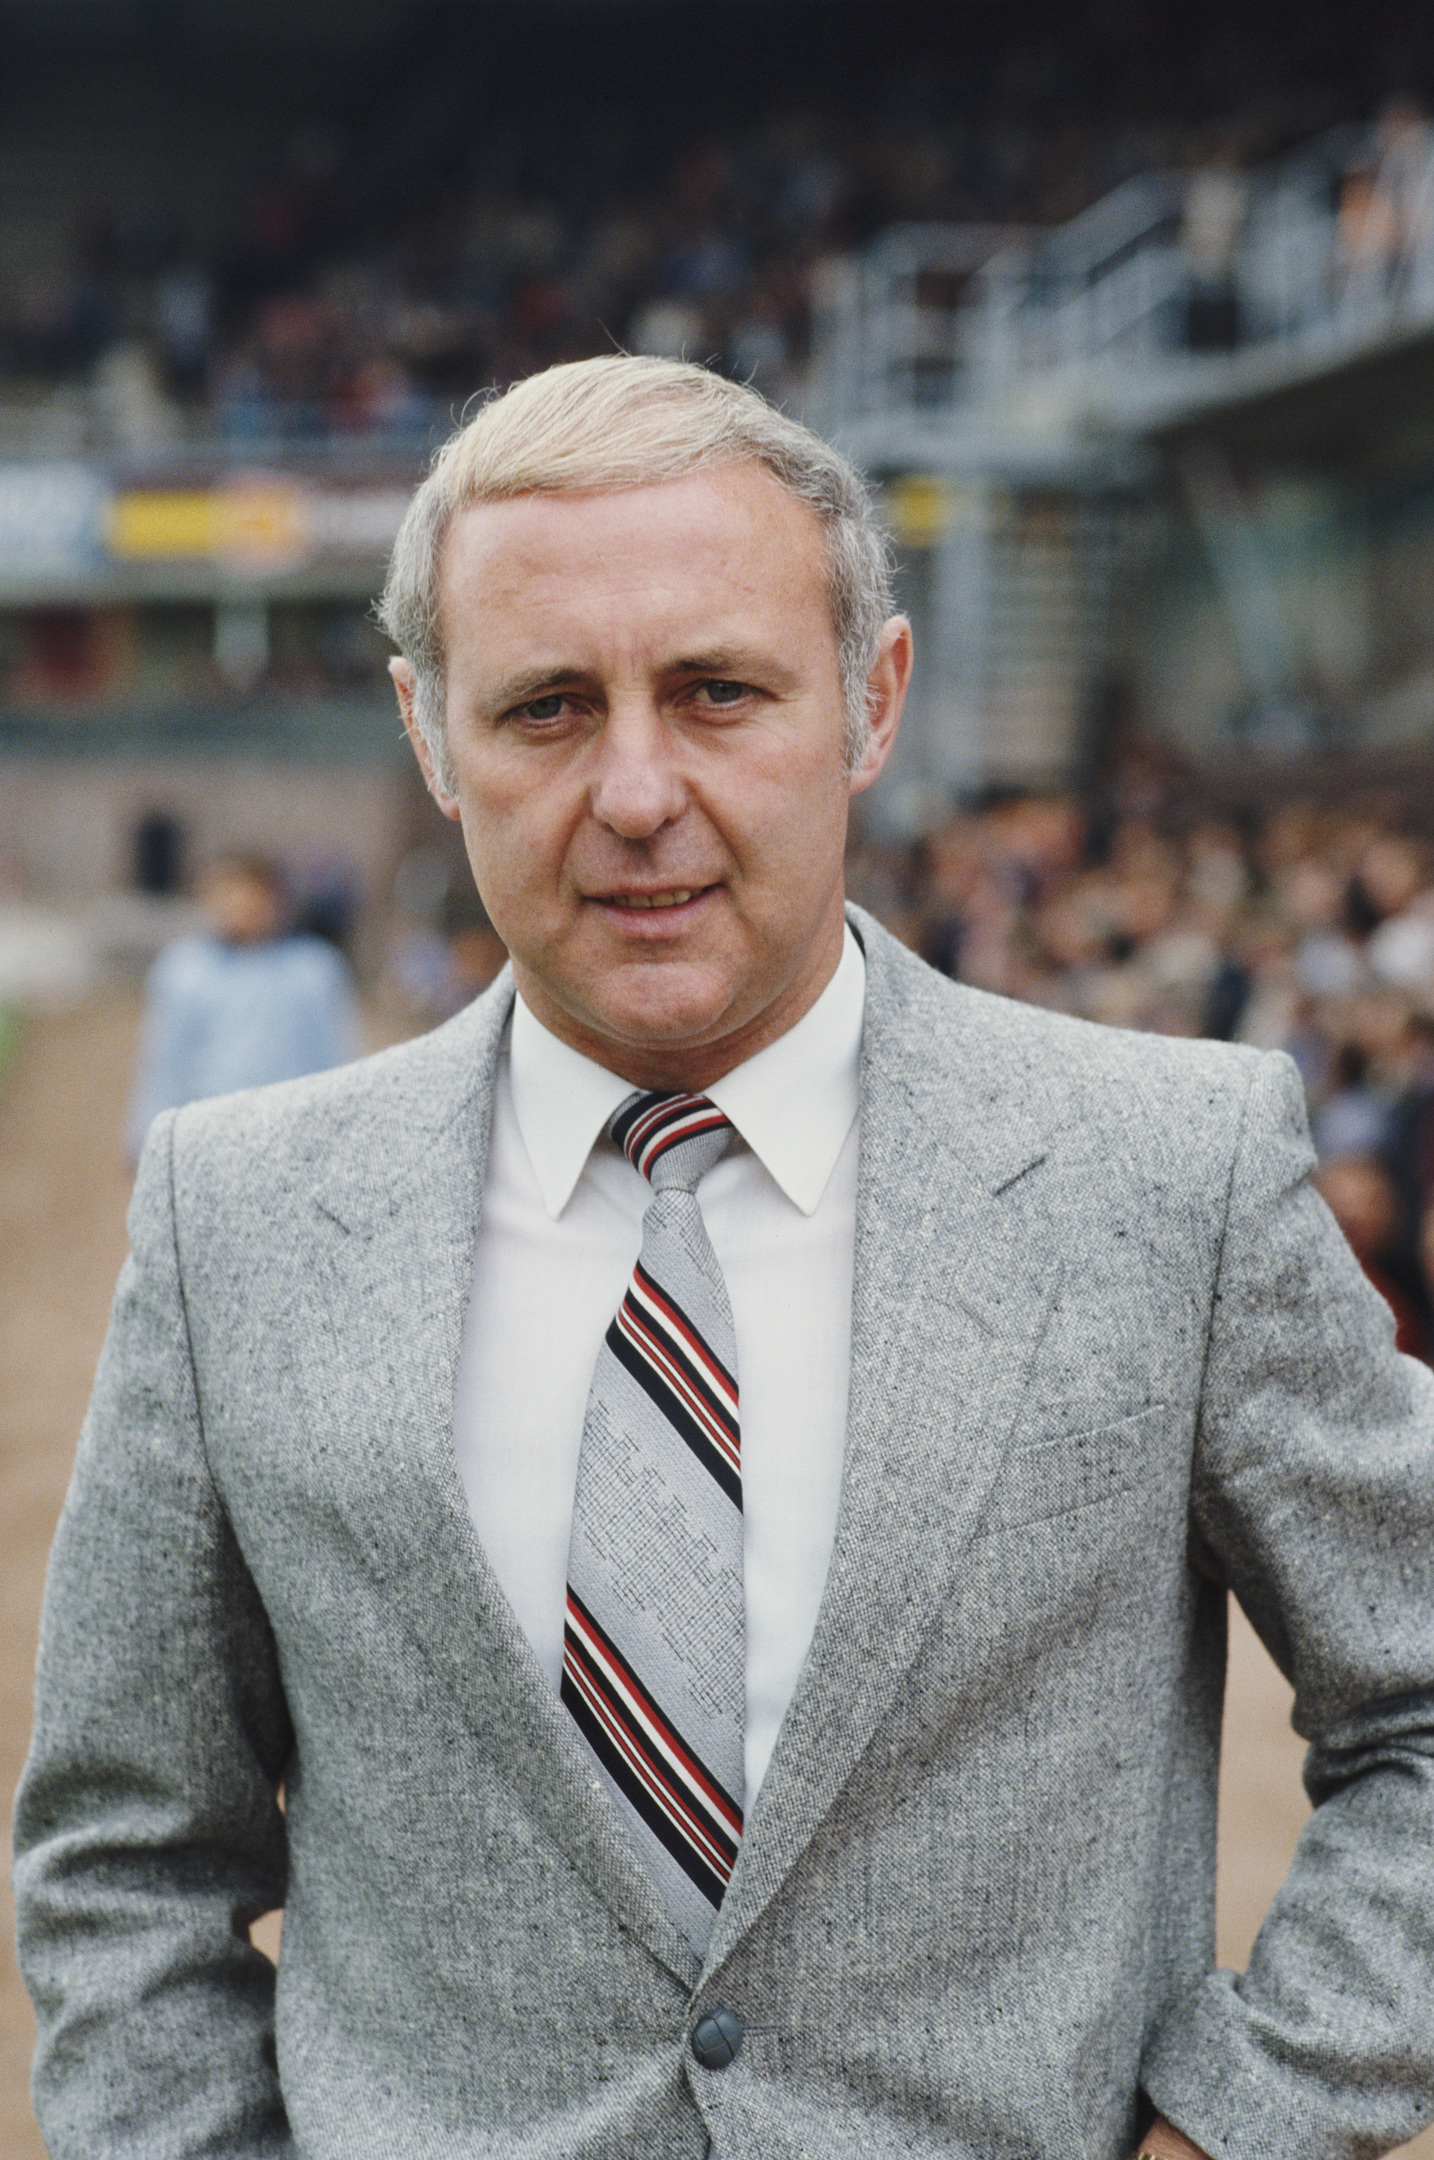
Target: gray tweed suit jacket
{"points": [[1109, 1357]]}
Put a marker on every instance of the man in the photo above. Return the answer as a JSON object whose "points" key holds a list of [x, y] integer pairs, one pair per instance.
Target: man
{"points": [[241, 1002], [711, 1482]]}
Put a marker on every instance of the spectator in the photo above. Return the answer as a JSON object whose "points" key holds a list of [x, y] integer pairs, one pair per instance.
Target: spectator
{"points": [[1216, 199], [1404, 150], [1355, 1119], [183, 324], [242, 1002]]}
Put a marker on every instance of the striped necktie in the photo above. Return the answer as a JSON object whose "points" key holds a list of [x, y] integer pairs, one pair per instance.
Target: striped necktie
{"points": [[654, 1663]]}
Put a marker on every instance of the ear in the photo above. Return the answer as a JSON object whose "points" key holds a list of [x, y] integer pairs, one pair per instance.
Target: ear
{"points": [[401, 674], [886, 688]]}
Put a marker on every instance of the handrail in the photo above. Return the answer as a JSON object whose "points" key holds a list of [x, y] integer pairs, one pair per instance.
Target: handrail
{"points": [[1123, 287]]}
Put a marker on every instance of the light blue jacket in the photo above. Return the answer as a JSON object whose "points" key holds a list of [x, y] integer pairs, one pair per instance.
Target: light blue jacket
{"points": [[221, 1017]]}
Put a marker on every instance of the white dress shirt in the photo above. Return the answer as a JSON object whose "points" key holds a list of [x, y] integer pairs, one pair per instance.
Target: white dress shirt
{"points": [[561, 1227]]}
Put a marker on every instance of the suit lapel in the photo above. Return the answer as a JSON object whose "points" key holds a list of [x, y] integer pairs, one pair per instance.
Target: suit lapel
{"points": [[951, 1286], [402, 1210]]}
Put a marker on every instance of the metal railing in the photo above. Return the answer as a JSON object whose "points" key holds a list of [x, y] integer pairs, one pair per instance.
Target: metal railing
{"points": [[945, 319]]}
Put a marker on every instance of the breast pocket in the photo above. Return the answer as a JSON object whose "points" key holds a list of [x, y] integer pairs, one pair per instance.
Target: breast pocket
{"points": [[1078, 1470]]}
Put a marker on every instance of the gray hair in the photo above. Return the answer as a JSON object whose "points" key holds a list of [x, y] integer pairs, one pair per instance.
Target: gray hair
{"points": [[622, 422]]}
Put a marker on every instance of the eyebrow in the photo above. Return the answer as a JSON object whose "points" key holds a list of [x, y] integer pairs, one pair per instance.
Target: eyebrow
{"points": [[522, 689], [722, 664], [726, 664]]}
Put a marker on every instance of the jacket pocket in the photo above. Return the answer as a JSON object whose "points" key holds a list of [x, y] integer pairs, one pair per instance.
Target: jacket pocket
{"points": [[1078, 1470]]}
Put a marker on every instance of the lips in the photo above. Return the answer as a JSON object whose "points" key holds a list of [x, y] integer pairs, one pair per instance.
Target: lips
{"points": [[678, 897], [650, 903]]}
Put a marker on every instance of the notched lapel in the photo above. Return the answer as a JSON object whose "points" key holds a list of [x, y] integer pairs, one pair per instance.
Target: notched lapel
{"points": [[953, 1286], [400, 1234]]}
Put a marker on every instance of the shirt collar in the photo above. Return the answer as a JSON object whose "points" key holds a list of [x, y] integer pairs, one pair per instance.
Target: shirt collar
{"points": [[793, 1103]]}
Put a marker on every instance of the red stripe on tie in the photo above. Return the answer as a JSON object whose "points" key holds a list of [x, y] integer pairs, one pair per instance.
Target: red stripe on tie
{"points": [[668, 1122], [661, 1353], [687, 1825], [666, 1141], [605, 1652], [681, 1325], [705, 1841], [623, 1713], [653, 1120], [651, 1347]]}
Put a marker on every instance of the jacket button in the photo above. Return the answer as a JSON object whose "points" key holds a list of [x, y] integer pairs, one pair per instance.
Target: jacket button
{"points": [[717, 2038]]}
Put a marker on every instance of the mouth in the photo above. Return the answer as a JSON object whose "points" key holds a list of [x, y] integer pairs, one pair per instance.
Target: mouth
{"points": [[672, 902], [659, 912], [678, 896]]}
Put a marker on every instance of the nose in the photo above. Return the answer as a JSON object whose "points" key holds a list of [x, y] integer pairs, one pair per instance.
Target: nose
{"points": [[636, 789]]}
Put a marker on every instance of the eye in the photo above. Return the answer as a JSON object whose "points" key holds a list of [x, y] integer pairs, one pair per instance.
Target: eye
{"points": [[541, 708], [724, 693]]}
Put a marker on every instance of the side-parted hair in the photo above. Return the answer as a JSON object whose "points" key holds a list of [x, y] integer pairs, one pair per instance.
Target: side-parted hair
{"points": [[622, 422]]}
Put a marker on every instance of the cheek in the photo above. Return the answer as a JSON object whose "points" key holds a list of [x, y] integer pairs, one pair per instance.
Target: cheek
{"points": [[790, 783], [517, 841], [792, 823]]}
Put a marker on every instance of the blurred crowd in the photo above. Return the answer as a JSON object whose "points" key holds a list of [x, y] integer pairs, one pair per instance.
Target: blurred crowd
{"points": [[1302, 929], [1297, 927], [311, 319]]}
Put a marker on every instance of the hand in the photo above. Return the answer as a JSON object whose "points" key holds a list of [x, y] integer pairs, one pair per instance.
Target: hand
{"points": [[1167, 2143]]}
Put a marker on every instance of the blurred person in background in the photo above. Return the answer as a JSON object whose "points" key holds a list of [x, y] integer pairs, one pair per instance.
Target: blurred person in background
{"points": [[243, 1002], [1354, 1118], [1216, 203], [473, 954]]}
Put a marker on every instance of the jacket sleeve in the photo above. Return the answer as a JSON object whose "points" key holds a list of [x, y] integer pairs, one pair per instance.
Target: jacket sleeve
{"points": [[1313, 1497], [148, 1831]]}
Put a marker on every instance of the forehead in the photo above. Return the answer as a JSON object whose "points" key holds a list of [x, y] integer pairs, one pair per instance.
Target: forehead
{"points": [[712, 552]]}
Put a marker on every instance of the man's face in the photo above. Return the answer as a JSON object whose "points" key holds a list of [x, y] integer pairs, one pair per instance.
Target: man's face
{"points": [[645, 721]]}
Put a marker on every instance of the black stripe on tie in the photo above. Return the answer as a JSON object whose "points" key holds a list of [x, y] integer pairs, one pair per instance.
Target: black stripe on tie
{"points": [[640, 1107], [639, 1799], [653, 1149], [668, 1324], [644, 1805], [678, 1416], [573, 1638]]}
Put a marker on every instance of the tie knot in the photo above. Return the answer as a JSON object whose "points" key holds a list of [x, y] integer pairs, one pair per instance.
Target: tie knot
{"points": [[672, 1139]]}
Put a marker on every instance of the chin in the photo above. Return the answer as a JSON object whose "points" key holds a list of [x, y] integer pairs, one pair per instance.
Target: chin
{"points": [[667, 1012], [664, 1027]]}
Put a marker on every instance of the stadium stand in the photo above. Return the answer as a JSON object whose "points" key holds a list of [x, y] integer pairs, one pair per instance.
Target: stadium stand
{"points": [[303, 267], [244, 286]]}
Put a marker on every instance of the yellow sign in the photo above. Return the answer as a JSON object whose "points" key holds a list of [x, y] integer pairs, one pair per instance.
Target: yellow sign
{"points": [[157, 526], [254, 523]]}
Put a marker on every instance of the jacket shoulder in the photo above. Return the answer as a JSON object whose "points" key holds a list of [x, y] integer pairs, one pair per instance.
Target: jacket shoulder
{"points": [[390, 1103], [941, 1040]]}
